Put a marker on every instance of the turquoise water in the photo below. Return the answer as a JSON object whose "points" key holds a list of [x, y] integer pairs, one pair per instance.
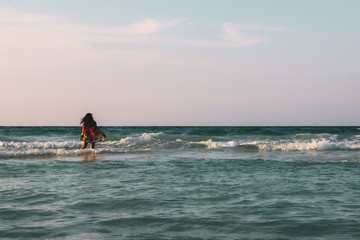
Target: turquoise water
{"points": [[181, 183]]}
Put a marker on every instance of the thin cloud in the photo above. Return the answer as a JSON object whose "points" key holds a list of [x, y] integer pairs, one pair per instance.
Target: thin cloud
{"points": [[144, 27], [257, 26], [52, 29], [247, 34], [7, 17], [239, 37]]}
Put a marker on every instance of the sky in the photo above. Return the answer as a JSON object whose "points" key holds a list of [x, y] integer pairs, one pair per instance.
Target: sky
{"points": [[180, 62]]}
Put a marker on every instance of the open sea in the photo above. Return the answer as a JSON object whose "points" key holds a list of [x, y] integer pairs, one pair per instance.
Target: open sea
{"points": [[181, 183]]}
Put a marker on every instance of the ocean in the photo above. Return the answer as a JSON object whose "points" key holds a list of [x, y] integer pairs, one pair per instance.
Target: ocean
{"points": [[181, 183]]}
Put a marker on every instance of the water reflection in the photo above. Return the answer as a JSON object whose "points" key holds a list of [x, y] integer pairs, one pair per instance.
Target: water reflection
{"points": [[91, 158]]}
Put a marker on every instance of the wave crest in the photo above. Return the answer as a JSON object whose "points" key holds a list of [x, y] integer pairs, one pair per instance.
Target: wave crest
{"points": [[285, 146], [145, 142]]}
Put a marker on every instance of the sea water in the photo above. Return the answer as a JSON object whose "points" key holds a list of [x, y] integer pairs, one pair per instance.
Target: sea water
{"points": [[181, 183]]}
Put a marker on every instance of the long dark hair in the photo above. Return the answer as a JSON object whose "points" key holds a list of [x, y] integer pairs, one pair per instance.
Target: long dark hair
{"points": [[88, 120]]}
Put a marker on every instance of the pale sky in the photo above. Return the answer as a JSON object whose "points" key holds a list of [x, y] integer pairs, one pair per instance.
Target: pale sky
{"points": [[180, 62]]}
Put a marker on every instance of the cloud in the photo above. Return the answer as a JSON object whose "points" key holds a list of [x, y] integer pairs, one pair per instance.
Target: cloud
{"points": [[44, 31], [238, 37], [144, 27], [257, 26], [148, 26], [7, 17], [247, 34], [33, 22]]}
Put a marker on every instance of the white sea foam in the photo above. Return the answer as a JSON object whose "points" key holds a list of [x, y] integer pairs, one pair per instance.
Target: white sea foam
{"points": [[27, 149], [213, 145], [132, 141], [143, 138], [286, 146], [40, 145], [312, 145]]}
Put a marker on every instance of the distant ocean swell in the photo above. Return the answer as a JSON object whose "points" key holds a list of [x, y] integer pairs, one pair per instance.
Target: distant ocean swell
{"points": [[157, 141]]}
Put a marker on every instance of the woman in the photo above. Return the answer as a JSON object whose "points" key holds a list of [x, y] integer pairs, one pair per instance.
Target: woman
{"points": [[90, 132]]}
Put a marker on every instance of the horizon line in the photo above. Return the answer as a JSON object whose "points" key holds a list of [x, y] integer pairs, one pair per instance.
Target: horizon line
{"points": [[184, 125]]}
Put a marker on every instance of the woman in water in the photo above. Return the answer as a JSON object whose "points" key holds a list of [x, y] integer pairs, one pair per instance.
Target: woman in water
{"points": [[90, 132]]}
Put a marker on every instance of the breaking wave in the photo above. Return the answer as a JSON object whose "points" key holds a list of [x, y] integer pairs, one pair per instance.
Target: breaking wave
{"points": [[160, 141]]}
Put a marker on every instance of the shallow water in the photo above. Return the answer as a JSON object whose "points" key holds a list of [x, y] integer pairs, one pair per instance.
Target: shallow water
{"points": [[181, 183]]}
